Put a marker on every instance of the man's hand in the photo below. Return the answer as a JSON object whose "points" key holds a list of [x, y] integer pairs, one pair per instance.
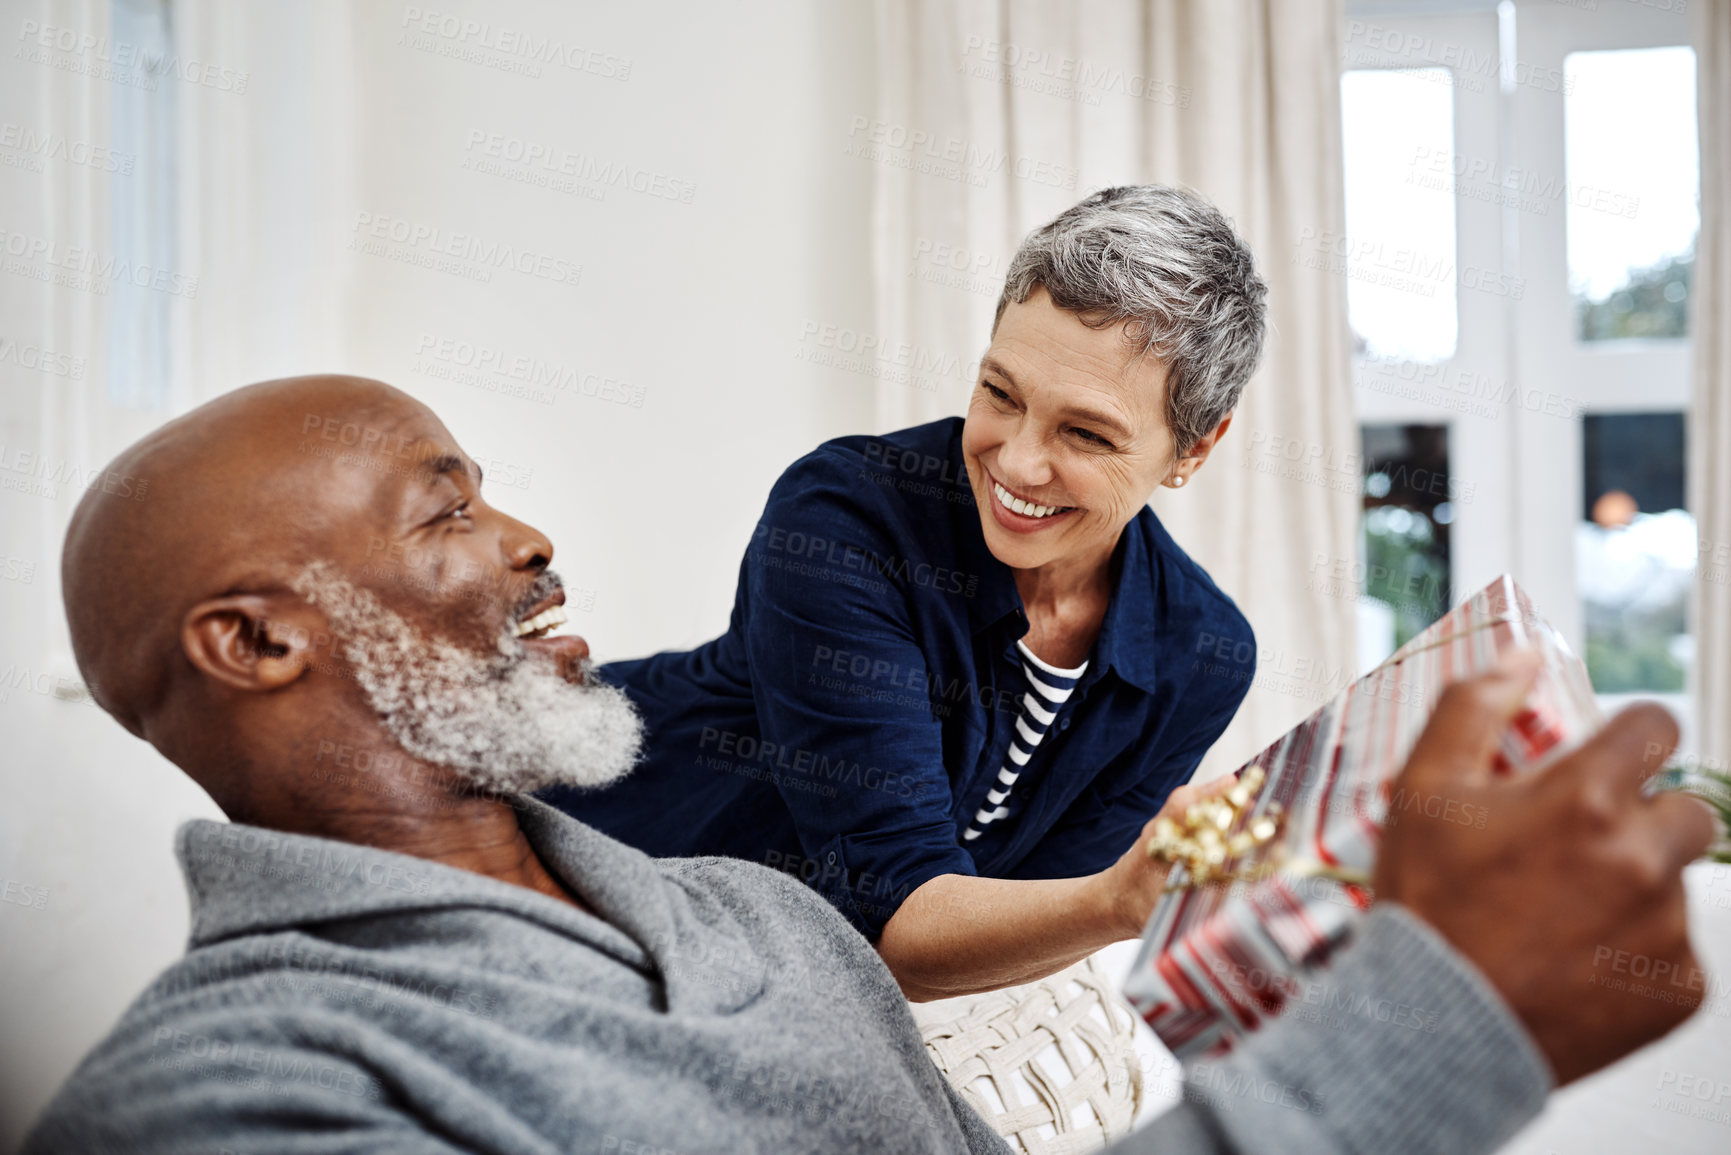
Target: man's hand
{"points": [[1569, 867], [1135, 882]]}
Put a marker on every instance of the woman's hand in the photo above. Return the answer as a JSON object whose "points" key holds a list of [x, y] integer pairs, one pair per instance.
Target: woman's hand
{"points": [[1136, 881], [959, 934]]}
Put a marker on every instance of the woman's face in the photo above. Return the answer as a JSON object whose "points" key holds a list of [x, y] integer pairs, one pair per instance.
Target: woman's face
{"points": [[1066, 437]]}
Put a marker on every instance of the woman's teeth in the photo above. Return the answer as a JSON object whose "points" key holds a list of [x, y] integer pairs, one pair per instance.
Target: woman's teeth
{"points": [[542, 623], [1025, 508]]}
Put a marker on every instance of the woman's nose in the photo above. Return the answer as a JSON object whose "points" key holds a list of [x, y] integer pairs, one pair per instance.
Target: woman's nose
{"points": [[1022, 460]]}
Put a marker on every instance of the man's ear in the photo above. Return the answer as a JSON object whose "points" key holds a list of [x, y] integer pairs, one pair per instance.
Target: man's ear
{"points": [[253, 642]]}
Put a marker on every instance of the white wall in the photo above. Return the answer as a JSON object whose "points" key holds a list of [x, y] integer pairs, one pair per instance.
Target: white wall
{"points": [[697, 309]]}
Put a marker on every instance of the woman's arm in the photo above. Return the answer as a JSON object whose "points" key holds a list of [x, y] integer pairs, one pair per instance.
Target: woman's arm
{"points": [[959, 935], [843, 690]]}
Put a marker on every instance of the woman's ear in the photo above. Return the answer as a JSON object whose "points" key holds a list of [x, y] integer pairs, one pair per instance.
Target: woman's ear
{"points": [[1204, 446], [253, 642]]}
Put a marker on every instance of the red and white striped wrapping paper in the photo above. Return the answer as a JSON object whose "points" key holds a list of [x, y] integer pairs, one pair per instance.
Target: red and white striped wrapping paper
{"points": [[1216, 962]]}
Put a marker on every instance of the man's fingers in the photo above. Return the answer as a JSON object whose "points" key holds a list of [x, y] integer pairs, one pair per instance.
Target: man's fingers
{"points": [[1628, 750], [1470, 717], [1682, 825]]}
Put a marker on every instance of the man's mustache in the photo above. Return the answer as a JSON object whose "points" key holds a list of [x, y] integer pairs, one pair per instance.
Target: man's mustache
{"points": [[545, 585]]}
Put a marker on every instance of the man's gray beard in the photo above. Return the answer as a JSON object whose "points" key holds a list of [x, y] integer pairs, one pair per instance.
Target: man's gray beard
{"points": [[504, 722]]}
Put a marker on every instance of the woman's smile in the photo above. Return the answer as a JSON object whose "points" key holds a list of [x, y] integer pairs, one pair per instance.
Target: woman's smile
{"points": [[1022, 515]]}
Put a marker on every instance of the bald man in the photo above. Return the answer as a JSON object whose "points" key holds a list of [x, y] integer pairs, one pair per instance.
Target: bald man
{"points": [[319, 619]]}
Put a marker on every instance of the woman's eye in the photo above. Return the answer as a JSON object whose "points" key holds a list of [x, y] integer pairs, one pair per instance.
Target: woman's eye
{"points": [[1092, 438]]}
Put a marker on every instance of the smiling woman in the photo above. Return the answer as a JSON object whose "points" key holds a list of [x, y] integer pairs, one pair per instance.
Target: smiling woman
{"points": [[966, 663]]}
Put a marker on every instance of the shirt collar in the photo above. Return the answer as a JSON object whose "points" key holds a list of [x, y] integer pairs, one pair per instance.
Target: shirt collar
{"points": [[245, 880], [1128, 642], [997, 597], [1127, 637]]}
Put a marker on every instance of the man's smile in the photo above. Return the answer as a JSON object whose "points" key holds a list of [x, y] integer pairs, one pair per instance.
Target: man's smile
{"points": [[541, 611], [533, 626], [543, 622]]}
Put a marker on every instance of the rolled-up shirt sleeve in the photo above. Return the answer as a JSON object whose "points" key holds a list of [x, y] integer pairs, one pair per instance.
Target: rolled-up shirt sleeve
{"points": [[840, 684]]}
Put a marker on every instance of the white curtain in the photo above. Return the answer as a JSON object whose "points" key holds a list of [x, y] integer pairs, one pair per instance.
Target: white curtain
{"points": [[267, 192], [237, 198], [1710, 407], [995, 115], [64, 420]]}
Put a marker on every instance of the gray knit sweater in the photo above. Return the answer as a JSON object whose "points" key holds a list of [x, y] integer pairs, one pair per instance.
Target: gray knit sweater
{"points": [[337, 998]]}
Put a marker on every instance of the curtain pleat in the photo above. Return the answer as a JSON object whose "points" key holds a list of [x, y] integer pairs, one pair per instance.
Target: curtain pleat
{"points": [[1041, 103], [1709, 457]]}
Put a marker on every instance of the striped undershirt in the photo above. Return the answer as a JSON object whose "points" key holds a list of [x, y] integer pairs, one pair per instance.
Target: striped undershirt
{"points": [[1049, 687]]}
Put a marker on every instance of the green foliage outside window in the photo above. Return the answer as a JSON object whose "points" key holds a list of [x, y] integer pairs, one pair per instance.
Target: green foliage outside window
{"points": [[1630, 651], [1654, 303], [1404, 568]]}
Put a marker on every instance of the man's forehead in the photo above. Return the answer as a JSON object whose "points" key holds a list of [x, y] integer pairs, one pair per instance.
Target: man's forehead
{"points": [[365, 421], [395, 451], [395, 423]]}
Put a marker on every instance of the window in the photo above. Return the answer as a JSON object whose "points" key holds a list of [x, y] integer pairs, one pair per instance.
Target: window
{"points": [[1635, 551], [142, 208], [1407, 514], [1566, 178], [1633, 178], [1398, 140]]}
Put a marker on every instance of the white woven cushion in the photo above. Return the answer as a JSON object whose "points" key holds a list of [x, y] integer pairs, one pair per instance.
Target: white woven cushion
{"points": [[1050, 1065]]}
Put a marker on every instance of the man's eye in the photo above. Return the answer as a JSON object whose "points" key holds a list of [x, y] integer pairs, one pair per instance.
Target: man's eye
{"points": [[997, 393], [461, 513]]}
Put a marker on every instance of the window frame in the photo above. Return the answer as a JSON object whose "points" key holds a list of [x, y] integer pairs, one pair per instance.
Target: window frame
{"points": [[1550, 358], [1521, 464]]}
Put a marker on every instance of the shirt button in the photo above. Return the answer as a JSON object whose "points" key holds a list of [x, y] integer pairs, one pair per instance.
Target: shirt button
{"points": [[832, 858], [1063, 723]]}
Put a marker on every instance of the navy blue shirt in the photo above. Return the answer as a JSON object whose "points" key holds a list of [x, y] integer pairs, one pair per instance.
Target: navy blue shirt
{"points": [[854, 715]]}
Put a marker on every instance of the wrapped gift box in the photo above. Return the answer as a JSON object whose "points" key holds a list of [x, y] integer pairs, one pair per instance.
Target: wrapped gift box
{"points": [[1217, 960]]}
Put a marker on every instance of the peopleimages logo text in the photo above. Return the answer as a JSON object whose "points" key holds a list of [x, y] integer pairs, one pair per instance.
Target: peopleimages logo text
{"points": [[101, 268], [434, 241]]}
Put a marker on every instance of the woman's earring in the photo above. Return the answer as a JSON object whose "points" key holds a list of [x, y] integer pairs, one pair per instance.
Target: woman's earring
{"points": [[1178, 482]]}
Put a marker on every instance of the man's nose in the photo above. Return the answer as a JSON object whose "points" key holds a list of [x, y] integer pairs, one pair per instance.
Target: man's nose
{"points": [[525, 546]]}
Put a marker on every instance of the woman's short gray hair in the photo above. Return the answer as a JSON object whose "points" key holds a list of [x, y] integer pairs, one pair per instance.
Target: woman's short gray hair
{"points": [[1166, 261]]}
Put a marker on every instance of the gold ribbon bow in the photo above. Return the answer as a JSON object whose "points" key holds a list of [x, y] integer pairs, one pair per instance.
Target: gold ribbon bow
{"points": [[1212, 831]]}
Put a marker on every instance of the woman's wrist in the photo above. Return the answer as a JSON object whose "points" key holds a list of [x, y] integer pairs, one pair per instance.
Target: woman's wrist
{"points": [[1114, 905]]}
